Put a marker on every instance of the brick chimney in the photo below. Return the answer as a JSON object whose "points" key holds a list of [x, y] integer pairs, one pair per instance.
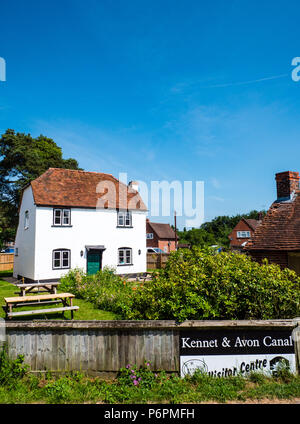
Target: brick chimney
{"points": [[287, 183]]}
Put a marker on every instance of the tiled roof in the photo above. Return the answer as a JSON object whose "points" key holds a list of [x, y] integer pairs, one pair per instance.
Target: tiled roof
{"points": [[72, 188], [280, 229], [163, 231], [253, 223]]}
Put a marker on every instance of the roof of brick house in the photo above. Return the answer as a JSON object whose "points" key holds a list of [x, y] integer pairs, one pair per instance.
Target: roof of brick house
{"points": [[163, 231], [253, 223], [280, 228], [73, 188]]}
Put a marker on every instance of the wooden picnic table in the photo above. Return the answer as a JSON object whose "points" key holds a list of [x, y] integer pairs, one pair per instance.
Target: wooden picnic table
{"points": [[30, 287], [65, 298]]}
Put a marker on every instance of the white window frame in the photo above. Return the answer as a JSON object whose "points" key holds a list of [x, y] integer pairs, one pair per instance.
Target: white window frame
{"points": [[126, 218], [149, 236], [243, 234], [125, 251], [61, 258], [68, 216], [62, 217]]}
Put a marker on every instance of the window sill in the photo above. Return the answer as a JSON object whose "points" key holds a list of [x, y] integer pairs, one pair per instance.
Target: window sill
{"points": [[124, 226], [61, 226], [59, 269], [125, 265]]}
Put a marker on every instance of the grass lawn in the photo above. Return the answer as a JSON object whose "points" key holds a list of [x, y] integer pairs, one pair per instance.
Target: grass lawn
{"points": [[86, 309], [77, 388]]}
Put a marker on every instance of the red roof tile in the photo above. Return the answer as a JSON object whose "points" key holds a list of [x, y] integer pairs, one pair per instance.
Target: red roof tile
{"points": [[280, 229], [253, 223], [72, 188], [163, 231]]}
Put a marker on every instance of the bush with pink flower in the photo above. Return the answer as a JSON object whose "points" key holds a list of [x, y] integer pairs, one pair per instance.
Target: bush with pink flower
{"points": [[140, 377]]}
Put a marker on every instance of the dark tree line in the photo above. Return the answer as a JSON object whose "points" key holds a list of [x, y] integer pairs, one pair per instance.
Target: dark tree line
{"points": [[215, 232]]}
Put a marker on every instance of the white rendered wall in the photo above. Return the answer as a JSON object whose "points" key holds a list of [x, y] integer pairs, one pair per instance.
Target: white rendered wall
{"points": [[25, 238], [89, 227]]}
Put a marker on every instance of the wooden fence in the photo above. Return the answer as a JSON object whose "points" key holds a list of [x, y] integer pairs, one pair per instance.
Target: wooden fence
{"points": [[103, 347], [6, 261], [157, 260]]}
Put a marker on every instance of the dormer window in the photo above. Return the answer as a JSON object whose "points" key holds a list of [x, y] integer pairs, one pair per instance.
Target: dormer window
{"points": [[62, 217], [124, 219]]}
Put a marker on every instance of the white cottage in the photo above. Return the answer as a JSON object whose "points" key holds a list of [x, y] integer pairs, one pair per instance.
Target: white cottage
{"points": [[71, 218]]}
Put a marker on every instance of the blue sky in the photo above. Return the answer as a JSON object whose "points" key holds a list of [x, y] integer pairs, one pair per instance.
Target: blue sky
{"points": [[162, 90]]}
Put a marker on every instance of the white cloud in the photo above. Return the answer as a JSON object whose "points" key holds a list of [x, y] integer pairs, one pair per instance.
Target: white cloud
{"points": [[217, 198]]}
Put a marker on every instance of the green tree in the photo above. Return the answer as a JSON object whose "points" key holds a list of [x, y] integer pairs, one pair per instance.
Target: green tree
{"points": [[215, 231], [7, 228], [196, 237], [22, 159]]}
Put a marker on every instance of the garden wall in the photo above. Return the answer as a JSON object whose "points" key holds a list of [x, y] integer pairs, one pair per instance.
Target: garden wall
{"points": [[103, 347]]}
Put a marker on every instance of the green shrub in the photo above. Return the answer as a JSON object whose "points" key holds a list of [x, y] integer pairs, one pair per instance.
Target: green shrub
{"points": [[105, 290], [195, 284], [11, 370], [59, 391], [257, 377], [199, 284], [283, 372]]}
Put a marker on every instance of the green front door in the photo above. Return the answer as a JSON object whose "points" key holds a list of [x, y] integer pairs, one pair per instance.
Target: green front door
{"points": [[93, 262]]}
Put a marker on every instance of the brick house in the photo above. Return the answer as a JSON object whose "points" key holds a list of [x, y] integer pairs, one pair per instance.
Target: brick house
{"points": [[278, 236], [242, 233], [161, 236]]}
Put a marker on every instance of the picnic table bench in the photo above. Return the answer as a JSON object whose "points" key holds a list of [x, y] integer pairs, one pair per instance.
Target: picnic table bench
{"points": [[65, 298], [145, 276], [39, 287]]}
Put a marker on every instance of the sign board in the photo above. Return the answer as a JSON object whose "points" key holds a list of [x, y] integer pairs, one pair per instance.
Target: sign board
{"points": [[235, 352]]}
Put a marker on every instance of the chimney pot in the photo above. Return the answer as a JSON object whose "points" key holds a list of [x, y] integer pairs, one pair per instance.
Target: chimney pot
{"points": [[134, 185]]}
